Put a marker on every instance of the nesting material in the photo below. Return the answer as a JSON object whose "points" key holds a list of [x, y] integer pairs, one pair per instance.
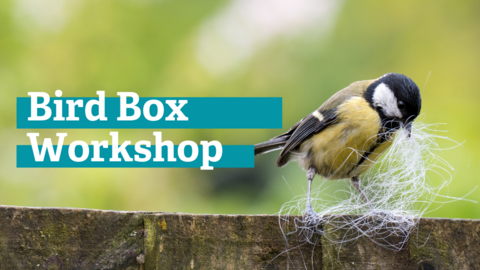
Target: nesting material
{"points": [[397, 186]]}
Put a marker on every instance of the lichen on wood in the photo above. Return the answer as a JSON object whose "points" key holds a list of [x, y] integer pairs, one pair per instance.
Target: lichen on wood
{"points": [[50, 238], [182, 241]]}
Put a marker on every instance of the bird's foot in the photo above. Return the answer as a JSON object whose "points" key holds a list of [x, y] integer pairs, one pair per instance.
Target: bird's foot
{"points": [[309, 210], [311, 218]]}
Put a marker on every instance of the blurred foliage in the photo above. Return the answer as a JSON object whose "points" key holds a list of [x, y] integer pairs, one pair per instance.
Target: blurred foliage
{"points": [[150, 47]]}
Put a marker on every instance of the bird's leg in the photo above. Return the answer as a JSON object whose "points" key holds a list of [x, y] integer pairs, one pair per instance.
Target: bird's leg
{"points": [[310, 175], [356, 183]]}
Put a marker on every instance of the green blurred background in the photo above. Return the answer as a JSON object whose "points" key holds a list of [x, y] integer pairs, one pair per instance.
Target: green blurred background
{"points": [[301, 50]]}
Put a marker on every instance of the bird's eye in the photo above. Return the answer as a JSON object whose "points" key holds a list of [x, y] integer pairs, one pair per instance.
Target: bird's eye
{"points": [[401, 105]]}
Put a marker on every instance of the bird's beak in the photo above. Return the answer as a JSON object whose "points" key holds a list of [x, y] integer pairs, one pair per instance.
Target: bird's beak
{"points": [[407, 126], [408, 129]]}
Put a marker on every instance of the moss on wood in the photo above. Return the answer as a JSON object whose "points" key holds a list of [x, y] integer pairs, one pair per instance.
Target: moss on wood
{"points": [[43, 238]]}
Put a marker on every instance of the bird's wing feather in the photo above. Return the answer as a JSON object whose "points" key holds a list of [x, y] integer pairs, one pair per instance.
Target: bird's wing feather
{"points": [[308, 127], [311, 125], [291, 130], [276, 142]]}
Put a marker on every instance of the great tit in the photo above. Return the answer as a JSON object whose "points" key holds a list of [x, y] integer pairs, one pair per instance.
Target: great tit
{"points": [[350, 131]]}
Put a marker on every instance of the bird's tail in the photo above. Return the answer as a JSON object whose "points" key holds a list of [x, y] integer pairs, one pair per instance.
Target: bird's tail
{"points": [[276, 143]]}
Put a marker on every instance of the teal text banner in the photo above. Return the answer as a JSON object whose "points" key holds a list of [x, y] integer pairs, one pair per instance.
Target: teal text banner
{"points": [[233, 156], [204, 113]]}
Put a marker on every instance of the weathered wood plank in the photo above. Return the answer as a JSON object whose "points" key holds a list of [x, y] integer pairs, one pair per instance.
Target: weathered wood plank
{"points": [[436, 244], [49, 238], [177, 241]]}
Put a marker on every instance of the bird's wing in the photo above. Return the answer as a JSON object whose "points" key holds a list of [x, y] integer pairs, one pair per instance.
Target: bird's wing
{"points": [[310, 125], [291, 130], [318, 120]]}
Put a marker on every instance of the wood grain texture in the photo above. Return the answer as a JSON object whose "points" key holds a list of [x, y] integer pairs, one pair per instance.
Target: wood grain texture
{"points": [[435, 244], [177, 241], [49, 238]]}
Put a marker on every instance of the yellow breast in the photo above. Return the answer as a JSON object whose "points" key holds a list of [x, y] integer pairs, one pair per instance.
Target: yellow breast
{"points": [[338, 151]]}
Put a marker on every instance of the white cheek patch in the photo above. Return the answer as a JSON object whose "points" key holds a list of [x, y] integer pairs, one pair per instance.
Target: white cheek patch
{"points": [[384, 97]]}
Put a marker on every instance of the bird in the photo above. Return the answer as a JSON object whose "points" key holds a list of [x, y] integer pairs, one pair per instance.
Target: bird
{"points": [[350, 131]]}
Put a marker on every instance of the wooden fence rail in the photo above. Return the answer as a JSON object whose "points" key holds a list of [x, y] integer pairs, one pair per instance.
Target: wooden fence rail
{"points": [[54, 238]]}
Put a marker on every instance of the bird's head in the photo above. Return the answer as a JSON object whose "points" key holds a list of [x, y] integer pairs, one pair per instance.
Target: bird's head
{"points": [[397, 100]]}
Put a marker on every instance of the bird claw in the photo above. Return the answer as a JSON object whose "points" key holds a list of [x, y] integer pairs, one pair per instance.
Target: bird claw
{"points": [[309, 210]]}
